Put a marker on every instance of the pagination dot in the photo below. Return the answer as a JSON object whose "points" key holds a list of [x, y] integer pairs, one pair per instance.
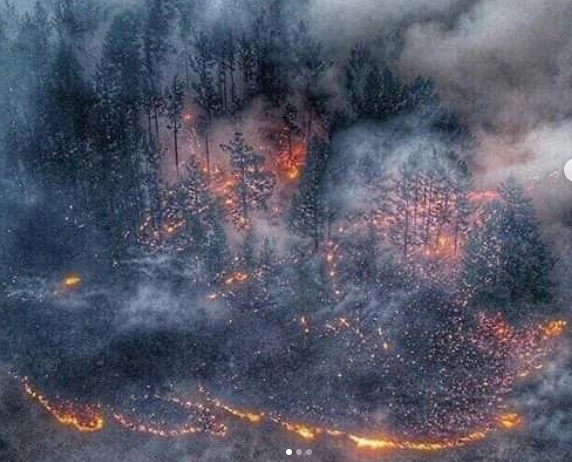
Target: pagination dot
{"points": [[288, 452]]}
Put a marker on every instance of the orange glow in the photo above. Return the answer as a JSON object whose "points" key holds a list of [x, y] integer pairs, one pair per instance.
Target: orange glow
{"points": [[237, 278], [249, 416], [484, 196], [81, 418], [89, 419], [510, 421], [71, 281], [529, 345], [290, 164], [155, 429], [304, 431], [384, 443], [554, 328]]}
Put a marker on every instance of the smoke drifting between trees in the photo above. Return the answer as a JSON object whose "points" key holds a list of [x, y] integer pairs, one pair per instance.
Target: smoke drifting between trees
{"points": [[274, 205], [127, 151]]}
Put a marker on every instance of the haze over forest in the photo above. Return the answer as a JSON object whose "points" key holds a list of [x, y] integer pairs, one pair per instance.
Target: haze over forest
{"points": [[233, 227]]}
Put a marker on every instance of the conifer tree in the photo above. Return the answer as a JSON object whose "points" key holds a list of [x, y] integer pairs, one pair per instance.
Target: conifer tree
{"points": [[507, 264], [308, 210], [253, 184]]}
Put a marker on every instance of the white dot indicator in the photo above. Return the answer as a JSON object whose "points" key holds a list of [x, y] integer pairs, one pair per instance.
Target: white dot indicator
{"points": [[308, 452], [568, 170], [299, 452], [288, 452]]}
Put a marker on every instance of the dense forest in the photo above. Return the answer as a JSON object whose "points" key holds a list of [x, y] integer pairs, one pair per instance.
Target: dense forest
{"points": [[221, 198]]}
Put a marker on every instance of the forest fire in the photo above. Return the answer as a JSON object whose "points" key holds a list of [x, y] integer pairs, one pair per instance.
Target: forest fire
{"points": [[384, 443], [530, 347], [290, 162], [88, 420], [85, 419], [165, 431], [237, 278], [304, 431], [236, 226], [71, 282], [554, 328], [510, 421], [249, 416]]}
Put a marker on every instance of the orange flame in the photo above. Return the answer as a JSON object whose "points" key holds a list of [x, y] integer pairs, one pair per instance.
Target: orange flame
{"points": [[237, 278], [71, 282], [554, 328], [510, 421], [290, 164], [81, 418]]}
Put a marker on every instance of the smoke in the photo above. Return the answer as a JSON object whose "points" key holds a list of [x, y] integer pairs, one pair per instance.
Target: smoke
{"points": [[367, 155], [504, 66], [506, 63]]}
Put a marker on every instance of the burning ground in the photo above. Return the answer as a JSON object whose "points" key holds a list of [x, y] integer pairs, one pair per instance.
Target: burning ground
{"points": [[227, 231]]}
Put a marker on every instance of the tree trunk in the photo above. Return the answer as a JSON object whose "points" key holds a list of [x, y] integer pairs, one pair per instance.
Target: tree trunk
{"points": [[175, 135], [207, 145], [156, 116]]}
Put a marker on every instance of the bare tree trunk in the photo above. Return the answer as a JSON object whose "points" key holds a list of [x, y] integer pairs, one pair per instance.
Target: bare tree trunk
{"points": [[222, 85], [310, 125]]}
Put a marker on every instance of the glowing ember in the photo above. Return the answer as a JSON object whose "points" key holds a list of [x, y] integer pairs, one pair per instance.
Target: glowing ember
{"points": [[237, 278], [71, 282], [384, 443], [79, 417], [510, 421], [527, 346], [305, 324], [249, 416], [304, 431], [164, 431], [290, 162], [554, 328]]}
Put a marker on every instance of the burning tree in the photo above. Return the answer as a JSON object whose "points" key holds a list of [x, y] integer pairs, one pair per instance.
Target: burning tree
{"points": [[253, 185], [307, 214], [192, 220], [428, 211]]}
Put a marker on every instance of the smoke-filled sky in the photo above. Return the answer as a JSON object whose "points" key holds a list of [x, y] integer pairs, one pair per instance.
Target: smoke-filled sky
{"points": [[305, 323]]}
